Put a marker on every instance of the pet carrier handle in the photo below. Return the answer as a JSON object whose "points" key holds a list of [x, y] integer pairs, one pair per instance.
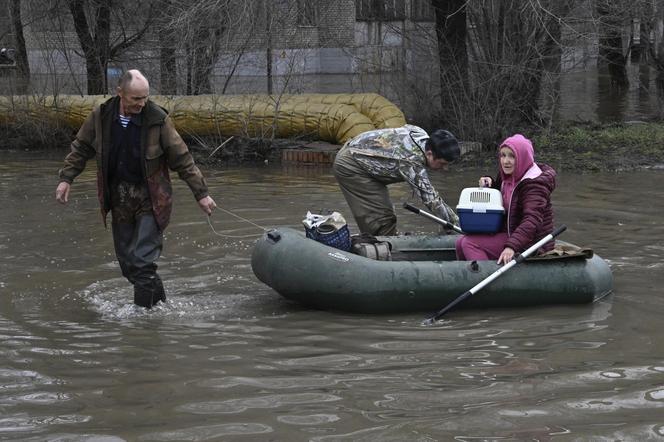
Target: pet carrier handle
{"points": [[441, 221]]}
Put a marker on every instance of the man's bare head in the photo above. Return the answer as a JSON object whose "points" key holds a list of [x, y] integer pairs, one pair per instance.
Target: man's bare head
{"points": [[131, 76], [133, 90]]}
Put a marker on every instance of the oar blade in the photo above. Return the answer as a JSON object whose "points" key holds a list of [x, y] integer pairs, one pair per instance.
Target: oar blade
{"points": [[439, 314], [429, 321]]}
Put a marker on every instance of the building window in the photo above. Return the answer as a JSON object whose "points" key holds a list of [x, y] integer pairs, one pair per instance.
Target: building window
{"points": [[422, 10], [307, 14], [380, 10]]}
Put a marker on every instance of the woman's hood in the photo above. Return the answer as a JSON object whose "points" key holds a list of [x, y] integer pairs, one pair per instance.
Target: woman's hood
{"points": [[524, 156]]}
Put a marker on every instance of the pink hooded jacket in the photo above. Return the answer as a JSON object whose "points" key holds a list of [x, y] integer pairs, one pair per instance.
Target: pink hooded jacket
{"points": [[527, 196]]}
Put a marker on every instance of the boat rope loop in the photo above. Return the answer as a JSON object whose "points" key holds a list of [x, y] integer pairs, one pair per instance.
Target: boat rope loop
{"points": [[238, 217]]}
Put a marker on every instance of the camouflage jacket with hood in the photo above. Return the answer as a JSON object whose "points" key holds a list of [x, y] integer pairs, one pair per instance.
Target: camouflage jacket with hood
{"points": [[397, 155], [162, 149]]}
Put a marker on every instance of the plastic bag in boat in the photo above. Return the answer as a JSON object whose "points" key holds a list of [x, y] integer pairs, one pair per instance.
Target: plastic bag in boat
{"points": [[330, 230]]}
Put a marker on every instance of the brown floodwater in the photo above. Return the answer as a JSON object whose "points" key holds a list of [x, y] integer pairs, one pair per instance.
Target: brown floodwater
{"points": [[227, 358]]}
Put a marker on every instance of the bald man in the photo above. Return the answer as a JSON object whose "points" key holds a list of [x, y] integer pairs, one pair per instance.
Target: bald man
{"points": [[135, 144]]}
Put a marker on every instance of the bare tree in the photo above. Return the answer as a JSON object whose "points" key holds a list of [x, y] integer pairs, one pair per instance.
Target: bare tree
{"points": [[203, 57], [268, 45], [21, 54], [92, 22], [204, 30], [167, 47], [611, 21], [497, 86], [451, 33], [94, 42], [452, 56], [651, 15], [209, 29]]}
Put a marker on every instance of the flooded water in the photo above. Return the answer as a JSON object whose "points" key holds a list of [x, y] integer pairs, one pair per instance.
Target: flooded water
{"points": [[229, 359], [588, 96]]}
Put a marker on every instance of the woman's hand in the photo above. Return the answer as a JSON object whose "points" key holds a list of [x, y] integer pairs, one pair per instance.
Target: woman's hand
{"points": [[506, 256], [486, 181]]}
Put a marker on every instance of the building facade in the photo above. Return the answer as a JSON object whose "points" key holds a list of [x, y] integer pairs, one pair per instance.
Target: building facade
{"points": [[286, 46]]}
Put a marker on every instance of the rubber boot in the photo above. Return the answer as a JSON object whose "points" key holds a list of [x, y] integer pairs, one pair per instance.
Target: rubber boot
{"points": [[144, 295], [160, 293], [149, 292]]}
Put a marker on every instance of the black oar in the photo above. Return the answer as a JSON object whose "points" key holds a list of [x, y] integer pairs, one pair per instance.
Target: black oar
{"points": [[447, 224], [519, 258]]}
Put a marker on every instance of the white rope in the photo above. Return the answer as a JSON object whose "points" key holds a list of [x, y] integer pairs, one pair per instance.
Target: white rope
{"points": [[238, 217]]}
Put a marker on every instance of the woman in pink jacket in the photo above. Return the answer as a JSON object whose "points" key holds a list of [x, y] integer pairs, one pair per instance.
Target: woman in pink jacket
{"points": [[526, 189]]}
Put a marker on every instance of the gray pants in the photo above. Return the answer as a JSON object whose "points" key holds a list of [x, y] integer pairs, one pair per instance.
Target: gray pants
{"points": [[367, 196], [138, 242]]}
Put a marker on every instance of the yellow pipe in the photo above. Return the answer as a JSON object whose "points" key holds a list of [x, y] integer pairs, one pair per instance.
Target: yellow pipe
{"points": [[331, 117]]}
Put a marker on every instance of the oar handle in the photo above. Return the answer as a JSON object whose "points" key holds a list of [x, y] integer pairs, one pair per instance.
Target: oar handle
{"points": [[410, 207], [441, 221], [558, 231]]}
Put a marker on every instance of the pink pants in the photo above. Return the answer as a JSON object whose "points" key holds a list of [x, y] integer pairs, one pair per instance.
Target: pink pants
{"points": [[480, 247]]}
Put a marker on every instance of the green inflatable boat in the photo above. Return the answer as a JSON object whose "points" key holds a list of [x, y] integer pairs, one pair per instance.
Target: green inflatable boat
{"points": [[420, 274]]}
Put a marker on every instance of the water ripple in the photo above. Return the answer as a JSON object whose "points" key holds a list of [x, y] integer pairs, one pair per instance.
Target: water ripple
{"points": [[12, 379], [311, 419], [37, 398], [22, 423], [271, 382], [268, 401], [211, 432], [65, 437]]}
